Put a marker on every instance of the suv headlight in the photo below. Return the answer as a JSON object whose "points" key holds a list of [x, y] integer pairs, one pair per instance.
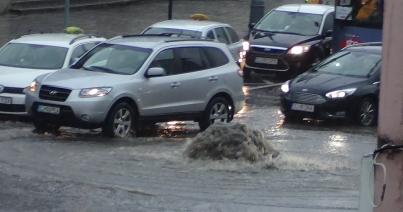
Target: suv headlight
{"points": [[338, 94], [285, 87], [95, 92], [297, 50], [245, 45]]}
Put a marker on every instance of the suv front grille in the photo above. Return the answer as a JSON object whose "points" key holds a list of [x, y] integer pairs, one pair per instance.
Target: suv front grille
{"points": [[267, 50], [54, 93], [307, 98]]}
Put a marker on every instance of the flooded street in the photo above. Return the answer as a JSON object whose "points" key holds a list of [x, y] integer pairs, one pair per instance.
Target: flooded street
{"points": [[317, 170]]}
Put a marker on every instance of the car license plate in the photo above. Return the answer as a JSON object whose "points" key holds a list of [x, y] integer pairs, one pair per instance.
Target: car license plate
{"points": [[48, 109], [6, 100], [265, 60], [303, 107]]}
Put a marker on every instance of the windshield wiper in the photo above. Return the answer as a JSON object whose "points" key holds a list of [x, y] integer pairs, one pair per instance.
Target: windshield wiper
{"points": [[100, 68]]}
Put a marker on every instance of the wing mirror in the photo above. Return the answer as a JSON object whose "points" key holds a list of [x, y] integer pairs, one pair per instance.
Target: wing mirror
{"points": [[156, 72], [251, 26], [329, 33]]}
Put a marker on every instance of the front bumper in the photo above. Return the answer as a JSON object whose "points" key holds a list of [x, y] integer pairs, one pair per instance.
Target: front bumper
{"points": [[328, 109], [74, 111], [17, 107]]}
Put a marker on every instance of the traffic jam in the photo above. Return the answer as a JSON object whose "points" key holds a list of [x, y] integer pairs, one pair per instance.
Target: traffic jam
{"points": [[191, 115]]}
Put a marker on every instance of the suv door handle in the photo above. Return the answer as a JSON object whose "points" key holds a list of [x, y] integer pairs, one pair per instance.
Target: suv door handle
{"points": [[175, 84], [213, 78]]}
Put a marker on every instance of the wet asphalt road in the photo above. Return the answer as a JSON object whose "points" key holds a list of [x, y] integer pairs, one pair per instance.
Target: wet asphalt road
{"points": [[82, 171]]}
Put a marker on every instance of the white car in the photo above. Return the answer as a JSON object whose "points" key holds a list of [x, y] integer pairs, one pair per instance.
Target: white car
{"points": [[217, 31], [25, 58]]}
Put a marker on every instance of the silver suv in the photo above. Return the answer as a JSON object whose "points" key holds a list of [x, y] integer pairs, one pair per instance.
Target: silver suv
{"points": [[131, 81]]}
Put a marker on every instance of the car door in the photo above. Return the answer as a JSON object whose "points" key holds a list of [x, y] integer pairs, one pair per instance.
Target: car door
{"points": [[235, 45], [327, 37], [161, 95]]}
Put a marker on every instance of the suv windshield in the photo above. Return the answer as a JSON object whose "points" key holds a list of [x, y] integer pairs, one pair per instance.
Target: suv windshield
{"points": [[291, 22], [113, 58], [32, 56], [179, 32], [350, 63]]}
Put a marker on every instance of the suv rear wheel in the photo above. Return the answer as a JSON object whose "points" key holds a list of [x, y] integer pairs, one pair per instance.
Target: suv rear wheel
{"points": [[216, 111], [119, 122]]}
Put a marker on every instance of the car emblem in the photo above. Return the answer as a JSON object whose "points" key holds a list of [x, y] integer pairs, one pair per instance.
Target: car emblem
{"points": [[1, 88], [53, 93], [304, 89]]}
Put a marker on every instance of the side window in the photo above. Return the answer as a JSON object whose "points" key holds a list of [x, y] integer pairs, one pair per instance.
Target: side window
{"points": [[221, 35], [215, 56], [234, 37], [77, 53], [191, 59], [328, 25], [210, 35], [165, 60]]}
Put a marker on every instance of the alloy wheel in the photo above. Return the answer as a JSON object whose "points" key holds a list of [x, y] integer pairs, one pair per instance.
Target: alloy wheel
{"points": [[122, 122]]}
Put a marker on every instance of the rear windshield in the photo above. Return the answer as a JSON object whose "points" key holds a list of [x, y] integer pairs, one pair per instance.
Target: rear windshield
{"points": [[350, 63], [291, 23], [170, 31], [32, 56]]}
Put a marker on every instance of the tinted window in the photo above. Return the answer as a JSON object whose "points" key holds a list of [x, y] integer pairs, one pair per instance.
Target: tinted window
{"points": [[179, 32], [350, 63], [232, 34], [221, 35], [113, 58], [291, 22], [216, 57], [165, 60], [191, 59], [210, 35], [77, 53], [33, 56]]}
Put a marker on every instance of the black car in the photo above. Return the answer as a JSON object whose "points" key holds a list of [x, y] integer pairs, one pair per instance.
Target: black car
{"points": [[345, 85], [289, 39]]}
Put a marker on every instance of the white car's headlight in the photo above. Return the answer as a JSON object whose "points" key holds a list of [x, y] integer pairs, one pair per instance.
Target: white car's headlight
{"points": [[245, 45], [33, 87], [340, 93], [285, 87], [95, 92], [297, 50]]}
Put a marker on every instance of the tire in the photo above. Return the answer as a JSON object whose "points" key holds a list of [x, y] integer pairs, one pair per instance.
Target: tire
{"points": [[120, 121], [367, 114], [218, 107], [42, 127]]}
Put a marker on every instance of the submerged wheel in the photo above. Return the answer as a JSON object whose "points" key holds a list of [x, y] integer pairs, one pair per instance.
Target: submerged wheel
{"points": [[367, 112], [119, 122], [42, 126], [216, 111]]}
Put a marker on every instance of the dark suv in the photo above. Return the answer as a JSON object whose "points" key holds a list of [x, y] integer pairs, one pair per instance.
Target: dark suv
{"points": [[289, 39]]}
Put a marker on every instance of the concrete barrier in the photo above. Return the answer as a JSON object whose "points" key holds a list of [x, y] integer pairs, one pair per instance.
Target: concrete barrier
{"points": [[4, 5]]}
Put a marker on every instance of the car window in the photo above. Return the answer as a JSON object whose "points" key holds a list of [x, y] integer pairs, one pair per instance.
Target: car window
{"points": [[291, 23], [210, 35], [328, 25], [77, 53], [221, 35], [178, 32], [215, 56], [350, 63], [165, 60], [191, 59], [114, 58], [33, 56], [234, 37]]}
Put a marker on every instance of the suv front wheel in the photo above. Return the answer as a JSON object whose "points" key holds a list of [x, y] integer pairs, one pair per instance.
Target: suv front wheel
{"points": [[216, 111], [119, 122]]}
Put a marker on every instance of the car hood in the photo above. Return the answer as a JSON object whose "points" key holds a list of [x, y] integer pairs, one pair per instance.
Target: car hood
{"points": [[78, 79], [280, 39], [19, 77], [321, 83]]}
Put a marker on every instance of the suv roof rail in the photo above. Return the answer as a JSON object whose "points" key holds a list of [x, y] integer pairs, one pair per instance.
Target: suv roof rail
{"points": [[190, 39], [364, 44], [174, 35], [79, 37]]}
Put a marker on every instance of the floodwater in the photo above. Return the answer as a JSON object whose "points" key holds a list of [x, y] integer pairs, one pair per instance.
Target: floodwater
{"points": [[317, 169]]}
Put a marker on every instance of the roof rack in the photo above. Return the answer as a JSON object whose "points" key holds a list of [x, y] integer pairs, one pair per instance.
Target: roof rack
{"points": [[170, 35], [81, 37], [190, 39]]}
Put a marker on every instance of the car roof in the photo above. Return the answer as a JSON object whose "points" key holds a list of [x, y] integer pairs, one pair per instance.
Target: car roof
{"points": [[153, 41], [54, 39], [306, 8], [188, 24], [366, 48]]}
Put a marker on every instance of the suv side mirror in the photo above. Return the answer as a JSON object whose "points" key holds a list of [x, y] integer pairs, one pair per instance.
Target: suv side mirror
{"points": [[156, 72], [251, 26], [329, 33]]}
